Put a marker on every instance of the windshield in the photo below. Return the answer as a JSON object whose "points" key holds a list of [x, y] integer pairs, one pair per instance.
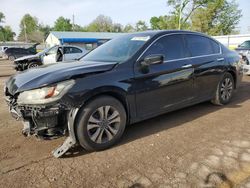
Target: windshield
{"points": [[118, 50]]}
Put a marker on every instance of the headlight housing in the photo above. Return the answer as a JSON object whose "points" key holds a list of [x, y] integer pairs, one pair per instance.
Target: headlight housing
{"points": [[46, 94]]}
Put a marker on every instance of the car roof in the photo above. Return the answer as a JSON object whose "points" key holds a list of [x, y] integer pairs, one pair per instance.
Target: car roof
{"points": [[162, 32]]}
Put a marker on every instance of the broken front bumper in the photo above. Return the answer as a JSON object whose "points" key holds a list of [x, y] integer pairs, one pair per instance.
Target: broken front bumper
{"points": [[45, 121]]}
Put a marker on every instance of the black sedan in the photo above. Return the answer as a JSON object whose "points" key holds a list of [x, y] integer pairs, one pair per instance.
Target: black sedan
{"points": [[13, 53], [126, 80]]}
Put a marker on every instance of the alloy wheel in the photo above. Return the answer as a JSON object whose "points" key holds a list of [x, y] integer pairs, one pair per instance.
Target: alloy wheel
{"points": [[226, 89], [33, 66], [103, 124]]}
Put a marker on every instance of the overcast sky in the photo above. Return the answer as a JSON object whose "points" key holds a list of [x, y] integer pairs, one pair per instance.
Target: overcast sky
{"points": [[128, 11]]}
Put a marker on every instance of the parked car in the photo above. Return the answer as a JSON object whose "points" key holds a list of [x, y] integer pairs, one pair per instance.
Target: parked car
{"points": [[244, 50], [2, 49], [126, 80], [54, 54], [15, 52]]}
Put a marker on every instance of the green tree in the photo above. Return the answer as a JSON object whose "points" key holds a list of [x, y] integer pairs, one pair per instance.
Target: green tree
{"points": [[165, 22], [45, 29], [117, 28], [101, 24], [141, 26], [129, 28], [183, 10], [6, 34], [2, 17], [220, 17], [62, 24]]}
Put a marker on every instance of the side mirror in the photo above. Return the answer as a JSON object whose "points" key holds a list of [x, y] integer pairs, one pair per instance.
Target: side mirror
{"points": [[153, 60]]}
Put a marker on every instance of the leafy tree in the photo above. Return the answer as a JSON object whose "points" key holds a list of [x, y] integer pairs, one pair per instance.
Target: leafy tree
{"points": [[45, 29], [2, 17], [165, 22], [6, 34], [62, 24], [117, 28], [28, 24], [220, 17], [129, 28], [141, 26], [183, 10], [101, 24]]}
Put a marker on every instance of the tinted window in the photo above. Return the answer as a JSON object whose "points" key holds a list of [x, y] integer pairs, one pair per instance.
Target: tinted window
{"points": [[71, 50], [172, 47], [199, 45], [215, 46]]}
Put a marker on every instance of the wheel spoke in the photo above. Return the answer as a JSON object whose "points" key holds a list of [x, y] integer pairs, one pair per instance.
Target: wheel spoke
{"points": [[95, 135], [109, 135], [115, 120], [114, 115], [93, 120], [106, 111], [99, 139], [223, 95], [112, 130], [101, 112], [92, 126]]}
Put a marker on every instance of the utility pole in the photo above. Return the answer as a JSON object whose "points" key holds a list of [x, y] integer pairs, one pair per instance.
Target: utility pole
{"points": [[180, 16]]}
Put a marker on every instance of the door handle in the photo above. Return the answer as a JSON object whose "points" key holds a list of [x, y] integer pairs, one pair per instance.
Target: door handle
{"points": [[221, 59], [187, 66]]}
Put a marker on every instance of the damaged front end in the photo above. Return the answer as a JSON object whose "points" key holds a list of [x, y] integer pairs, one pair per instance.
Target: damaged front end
{"points": [[43, 115]]}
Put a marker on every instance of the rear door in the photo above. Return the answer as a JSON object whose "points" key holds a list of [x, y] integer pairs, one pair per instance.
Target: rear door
{"points": [[167, 85], [71, 53], [208, 63]]}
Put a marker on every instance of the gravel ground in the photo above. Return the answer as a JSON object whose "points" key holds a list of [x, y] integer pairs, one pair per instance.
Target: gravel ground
{"points": [[199, 146]]}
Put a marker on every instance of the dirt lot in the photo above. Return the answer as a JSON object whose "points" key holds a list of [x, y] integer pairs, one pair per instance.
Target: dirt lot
{"points": [[200, 146]]}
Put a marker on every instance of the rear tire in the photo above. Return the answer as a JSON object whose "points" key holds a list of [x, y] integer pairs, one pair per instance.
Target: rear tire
{"points": [[11, 58], [224, 90], [101, 123]]}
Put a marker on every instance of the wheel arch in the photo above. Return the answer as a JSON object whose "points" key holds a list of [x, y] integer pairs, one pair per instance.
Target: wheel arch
{"points": [[233, 73], [112, 91]]}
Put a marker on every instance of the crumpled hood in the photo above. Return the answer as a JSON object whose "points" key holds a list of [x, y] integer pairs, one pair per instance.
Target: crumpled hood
{"points": [[46, 75], [27, 57]]}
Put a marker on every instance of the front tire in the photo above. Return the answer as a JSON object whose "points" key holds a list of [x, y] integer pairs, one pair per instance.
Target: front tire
{"points": [[100, 123], [224, 90], [33, 65]]}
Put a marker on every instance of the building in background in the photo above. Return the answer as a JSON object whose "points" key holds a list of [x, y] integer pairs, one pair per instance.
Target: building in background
{"points": [[232, 41], [87, 40]]}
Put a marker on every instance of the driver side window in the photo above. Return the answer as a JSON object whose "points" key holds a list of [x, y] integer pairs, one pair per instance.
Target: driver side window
{"points": [[52, 50], [171, 47]]}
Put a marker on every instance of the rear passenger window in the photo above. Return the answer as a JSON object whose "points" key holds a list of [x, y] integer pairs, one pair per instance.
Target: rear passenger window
{"points": [[171, 46], [71, 50], [199, 45], [215, 46]]}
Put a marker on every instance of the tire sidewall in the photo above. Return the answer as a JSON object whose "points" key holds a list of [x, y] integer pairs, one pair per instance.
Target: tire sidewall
{"points": [[83, 118]]}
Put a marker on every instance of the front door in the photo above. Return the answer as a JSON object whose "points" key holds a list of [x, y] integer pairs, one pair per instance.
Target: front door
{"points": [[50, 56], [167, 85]]}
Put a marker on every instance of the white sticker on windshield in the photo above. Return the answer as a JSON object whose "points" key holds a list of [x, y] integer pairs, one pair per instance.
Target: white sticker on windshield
{"points": [[141, 38]]}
